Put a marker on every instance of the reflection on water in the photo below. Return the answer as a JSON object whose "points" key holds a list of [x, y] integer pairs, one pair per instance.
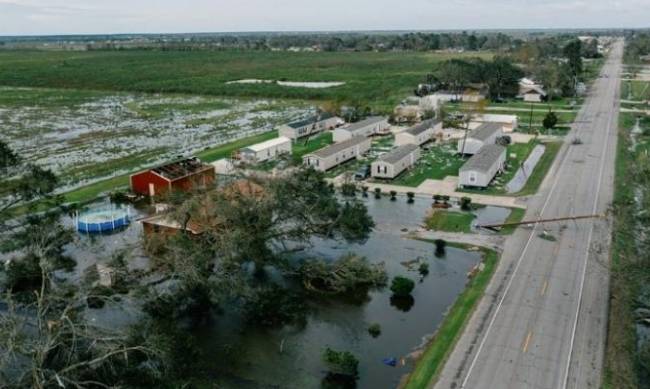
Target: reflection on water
{"points": [[239, 356]]}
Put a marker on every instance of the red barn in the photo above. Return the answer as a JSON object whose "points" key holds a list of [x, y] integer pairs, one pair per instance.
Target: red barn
{"points": [[180, 175]]}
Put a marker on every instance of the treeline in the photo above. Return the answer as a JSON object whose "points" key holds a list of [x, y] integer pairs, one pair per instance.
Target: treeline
{"points": [[319, 42], [637, 45]]}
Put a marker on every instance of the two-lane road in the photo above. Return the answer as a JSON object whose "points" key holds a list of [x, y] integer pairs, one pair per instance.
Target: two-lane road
{"points": [[542, 323]]}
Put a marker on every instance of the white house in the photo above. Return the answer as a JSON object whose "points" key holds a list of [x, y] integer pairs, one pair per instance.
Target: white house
{"points": [[485, 134], [391, 164], [530, 91], [334, 155], [368, 127], [266, 150], [419, 134], [481, 169], [310, 126], [509, 123]]}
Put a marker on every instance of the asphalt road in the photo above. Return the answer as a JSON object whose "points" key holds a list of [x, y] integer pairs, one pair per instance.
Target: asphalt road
{"points": [[542, 323]]}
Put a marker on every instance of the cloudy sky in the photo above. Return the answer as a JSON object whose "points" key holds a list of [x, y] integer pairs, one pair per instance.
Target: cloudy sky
{"points": [[35, 17]]}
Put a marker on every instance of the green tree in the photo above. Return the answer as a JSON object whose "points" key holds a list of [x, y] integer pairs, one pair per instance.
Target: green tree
{"points": [[402, 286], [503, 78], [550, 120]]}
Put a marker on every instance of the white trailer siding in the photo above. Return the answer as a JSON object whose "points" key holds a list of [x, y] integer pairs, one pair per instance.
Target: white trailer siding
{"points": [[419, 134], [392, 164], [309, 126], [334, 155], [368, 127], [485, 134], [509, 122], [481, 169], [266, 150]]}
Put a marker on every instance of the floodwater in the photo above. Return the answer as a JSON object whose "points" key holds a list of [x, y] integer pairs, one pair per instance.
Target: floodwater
{"points": [[490, 215], [290, 357], [520, 178]]}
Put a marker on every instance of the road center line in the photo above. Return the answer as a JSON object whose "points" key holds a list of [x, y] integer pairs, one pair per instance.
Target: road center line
{"points": [[527, 341]]}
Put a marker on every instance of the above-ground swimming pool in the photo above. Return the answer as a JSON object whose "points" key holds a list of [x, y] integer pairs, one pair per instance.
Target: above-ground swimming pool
{"points": [[106, 220]]}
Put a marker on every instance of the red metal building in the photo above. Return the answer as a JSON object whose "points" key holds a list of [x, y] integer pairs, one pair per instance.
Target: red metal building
{"points": [[176, 176]]}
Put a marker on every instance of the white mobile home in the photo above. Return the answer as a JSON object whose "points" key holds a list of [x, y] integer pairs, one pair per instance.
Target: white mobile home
{"points": [[266, 150], [509, 123], [334, 155], [419, 134], [310, 126], [368, 127], [391, 164], [485, 134], [481, 169]]}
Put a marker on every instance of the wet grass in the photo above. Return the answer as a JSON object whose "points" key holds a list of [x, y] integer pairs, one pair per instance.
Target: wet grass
{"points": [[541, 170], [450, 221], [378, 79], [635, 90], [306, 146], [516, 215], [431, 362], [629, 265], [436, 163]]}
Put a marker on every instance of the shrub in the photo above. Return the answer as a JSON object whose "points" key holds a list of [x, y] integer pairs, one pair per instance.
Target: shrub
{"points": [[424, 269], [364, 191], [377, 193], [341, 362], [374, 330], [348, 189], [392, 195], [441, 244], [411, 197], [402, 286], [437, 198], [465, 203]]}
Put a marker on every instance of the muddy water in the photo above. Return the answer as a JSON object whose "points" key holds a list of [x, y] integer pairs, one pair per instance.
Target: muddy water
{"points": [[290, 357]]}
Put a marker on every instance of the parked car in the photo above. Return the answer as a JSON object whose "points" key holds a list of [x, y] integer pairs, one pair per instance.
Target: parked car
{"points": [[362, 173]]}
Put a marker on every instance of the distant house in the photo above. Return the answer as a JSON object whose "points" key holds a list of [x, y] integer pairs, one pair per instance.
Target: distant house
{"points": [[181, 175], [509, 123], [419, 134], [471, 94], [531, 91], [485, 134], [391, 164], [310, 126], [266, 150], [408, 113], [481, 169], [368, 127], [334, 155]]}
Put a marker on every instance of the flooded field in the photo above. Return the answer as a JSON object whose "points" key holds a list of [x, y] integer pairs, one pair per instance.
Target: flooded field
{"points": [[87, 135], [290, 357]]}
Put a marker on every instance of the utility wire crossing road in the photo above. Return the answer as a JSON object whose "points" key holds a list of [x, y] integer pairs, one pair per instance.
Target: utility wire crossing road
{"points": [[542, 323]]}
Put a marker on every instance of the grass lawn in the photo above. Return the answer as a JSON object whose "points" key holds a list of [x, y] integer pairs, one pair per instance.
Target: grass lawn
{"points": [[630, 268], [436, 163], [378, 79], [430, 363], [450, 221], [516, 215], [226, 150], [635, 90], [539, 173], [306, 146]]}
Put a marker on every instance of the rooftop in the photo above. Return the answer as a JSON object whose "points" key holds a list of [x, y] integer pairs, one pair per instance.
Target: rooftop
{"points": [[422, 127], [311, 120], [486, 157], [336, 147], [398, 154], [179, 169], [269, 143], [364, 123], [485, 130]]}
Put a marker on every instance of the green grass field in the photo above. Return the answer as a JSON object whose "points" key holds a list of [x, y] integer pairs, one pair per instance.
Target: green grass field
{"points": [[450, 221], [378, 79], [635, 90], [436, 164], [430, 363]]}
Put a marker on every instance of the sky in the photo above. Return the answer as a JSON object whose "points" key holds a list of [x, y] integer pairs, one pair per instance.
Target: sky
{"points": [[54, 17]]}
